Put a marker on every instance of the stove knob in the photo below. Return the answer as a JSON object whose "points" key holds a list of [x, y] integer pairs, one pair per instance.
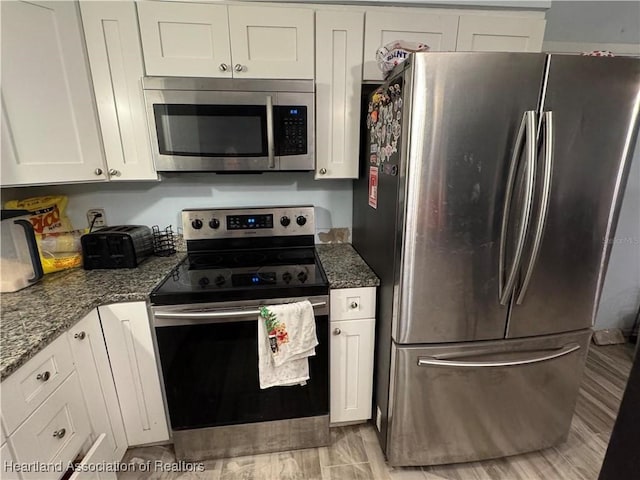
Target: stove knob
{"points": [[214, 223], [301, 220], [285, 221], [220, 280], [197, 224], [302, 276], [203, 282], [286, 276]]}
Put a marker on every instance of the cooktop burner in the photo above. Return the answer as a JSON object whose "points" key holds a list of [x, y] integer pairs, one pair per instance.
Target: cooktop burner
{"points": [[225, 264]]}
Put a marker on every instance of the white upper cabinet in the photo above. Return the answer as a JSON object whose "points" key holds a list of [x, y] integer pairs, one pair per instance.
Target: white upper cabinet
{"points": [[205, 40], [115, 56], [50, 128], [269, 42], [436, 30], [500, 34], [185, 39], [339, 37]]}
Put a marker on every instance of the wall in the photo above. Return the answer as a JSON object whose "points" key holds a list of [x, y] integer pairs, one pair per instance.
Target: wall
{"points": [[160, 203]]}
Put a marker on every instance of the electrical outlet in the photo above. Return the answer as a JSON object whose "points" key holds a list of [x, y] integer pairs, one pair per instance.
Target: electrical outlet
{"points": [[100, 221]]}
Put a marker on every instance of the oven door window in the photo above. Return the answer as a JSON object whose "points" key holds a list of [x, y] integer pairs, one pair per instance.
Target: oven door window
{"points": [[211, 130], [211, 377]]}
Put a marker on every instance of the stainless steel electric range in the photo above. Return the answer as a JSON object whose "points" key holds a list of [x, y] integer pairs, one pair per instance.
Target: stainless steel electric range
{"points": [[205, 315]]}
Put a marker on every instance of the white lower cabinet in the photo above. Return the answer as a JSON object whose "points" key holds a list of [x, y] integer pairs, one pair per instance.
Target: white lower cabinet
{"points": [[6, 464], [92, 364], [351, 359], [55, 432], [129, 340]]}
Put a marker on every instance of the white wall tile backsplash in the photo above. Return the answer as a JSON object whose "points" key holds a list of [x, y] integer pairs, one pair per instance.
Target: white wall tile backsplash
{"points": [[160, 203]]}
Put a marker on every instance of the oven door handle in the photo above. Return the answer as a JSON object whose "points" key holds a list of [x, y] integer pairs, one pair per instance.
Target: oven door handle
{"points": [[213, 315]]}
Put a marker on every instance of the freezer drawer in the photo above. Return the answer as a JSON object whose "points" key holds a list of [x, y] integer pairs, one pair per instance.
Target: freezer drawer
{"points": [[480, 400]]}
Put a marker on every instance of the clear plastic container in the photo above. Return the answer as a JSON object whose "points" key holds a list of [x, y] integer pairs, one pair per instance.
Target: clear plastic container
{"points": [[19, 261]]}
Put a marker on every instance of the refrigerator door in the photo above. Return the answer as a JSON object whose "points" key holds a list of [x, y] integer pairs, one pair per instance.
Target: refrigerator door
{"points": [[592, 107], [467, 110], [483, 400]]}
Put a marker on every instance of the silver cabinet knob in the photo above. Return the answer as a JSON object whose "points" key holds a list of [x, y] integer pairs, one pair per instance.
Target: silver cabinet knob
{"points": [[337, 331], [223, 67], [80, 335], [323, 171], [60, 433], [98, 171], [354, 305], [238, 67], [43, 376], [114, 173]]}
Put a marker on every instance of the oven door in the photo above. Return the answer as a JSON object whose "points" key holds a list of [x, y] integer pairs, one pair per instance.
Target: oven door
{"points": [[209, 360]]}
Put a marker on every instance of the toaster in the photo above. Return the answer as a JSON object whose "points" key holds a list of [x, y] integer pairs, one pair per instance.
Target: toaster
{"points": [[121, 246]]}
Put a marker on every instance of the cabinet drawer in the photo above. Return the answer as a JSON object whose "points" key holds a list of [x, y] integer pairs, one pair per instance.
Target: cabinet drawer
{"points": [[25, 389], [99, 453], [353, 303], [55, 432]]}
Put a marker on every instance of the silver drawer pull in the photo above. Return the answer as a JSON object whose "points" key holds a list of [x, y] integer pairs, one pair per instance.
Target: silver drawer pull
{"points": [[43, 376], [59, 433], [80, 335], [354, 305], [337, 331]]}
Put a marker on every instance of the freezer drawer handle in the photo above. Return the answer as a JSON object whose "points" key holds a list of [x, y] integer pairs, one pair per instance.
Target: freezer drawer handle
{"points": [[527, 129], [547, 119], [435, 362]]}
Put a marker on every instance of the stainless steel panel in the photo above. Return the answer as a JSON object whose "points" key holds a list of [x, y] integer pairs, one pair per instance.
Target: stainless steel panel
{"points": [[205, 215], [595, 104], [226, 84], [484, 399], [251, 438], [465, 117]]}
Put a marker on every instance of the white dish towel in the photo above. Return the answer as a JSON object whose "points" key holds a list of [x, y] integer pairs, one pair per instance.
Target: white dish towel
{"points": [[286, 340]]}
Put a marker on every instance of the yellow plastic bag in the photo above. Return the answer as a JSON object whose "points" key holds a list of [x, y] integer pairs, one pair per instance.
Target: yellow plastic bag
{"points": [[59, 251], [47, 214]]}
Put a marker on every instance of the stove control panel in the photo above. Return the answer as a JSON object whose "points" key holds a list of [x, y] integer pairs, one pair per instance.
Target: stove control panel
{"points": [[205, 224]]}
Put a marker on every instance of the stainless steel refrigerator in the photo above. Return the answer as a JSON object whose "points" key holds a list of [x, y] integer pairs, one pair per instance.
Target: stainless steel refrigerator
{"points": [[487, 203]]}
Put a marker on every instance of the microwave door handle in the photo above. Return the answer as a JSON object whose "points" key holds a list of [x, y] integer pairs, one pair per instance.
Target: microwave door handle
{"points": [[270, 141]]}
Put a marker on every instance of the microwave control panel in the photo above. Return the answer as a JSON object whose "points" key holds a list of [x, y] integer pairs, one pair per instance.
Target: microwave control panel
{"points": [[291, 130]]}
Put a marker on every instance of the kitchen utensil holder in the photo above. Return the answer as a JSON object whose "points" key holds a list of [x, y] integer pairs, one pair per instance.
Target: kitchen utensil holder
{"points": [[164, 243]]}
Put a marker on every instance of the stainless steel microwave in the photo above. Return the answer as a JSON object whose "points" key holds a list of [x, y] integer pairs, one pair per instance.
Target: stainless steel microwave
{"points": [[222, 125]]}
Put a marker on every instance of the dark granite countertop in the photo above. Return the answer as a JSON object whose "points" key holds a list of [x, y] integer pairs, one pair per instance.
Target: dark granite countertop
{"points": [[35, 316], [32, 318], [344, 267]]}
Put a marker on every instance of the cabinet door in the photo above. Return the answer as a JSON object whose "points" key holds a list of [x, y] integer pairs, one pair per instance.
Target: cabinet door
{"points": [[127, 332], [351, 370], [92, 364], [185, 39], [115, 56], [437, 31], [49, 123], [339, 37], [55, 432], [500, 34], [271, 42], [98, 454]]}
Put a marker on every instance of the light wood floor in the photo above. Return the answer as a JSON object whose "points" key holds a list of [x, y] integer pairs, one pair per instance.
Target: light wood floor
{"points": [[355, 453]]}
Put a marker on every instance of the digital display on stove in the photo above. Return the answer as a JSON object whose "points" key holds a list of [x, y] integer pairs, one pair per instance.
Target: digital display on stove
{"points": [[248, 279], [249, 222]]}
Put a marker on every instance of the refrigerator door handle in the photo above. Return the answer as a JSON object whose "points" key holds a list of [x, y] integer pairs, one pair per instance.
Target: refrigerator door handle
{"points": [[527, 130], [546, 356], [547, 122]]}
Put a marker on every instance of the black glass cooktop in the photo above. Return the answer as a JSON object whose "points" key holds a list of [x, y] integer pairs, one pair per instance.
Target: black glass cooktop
{"points": [[215, 276]]}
